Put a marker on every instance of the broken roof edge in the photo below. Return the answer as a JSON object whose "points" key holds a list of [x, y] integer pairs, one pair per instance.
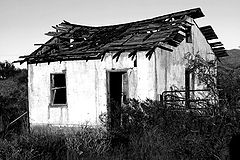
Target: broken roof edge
{"points": [[94, 55], [216, 46], [193, 13]]}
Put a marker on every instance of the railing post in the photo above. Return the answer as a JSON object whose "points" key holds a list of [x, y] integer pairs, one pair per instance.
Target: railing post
{"points": [[161, 99], [187, 88]]}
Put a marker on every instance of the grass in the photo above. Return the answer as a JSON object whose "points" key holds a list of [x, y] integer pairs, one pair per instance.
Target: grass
{"points": [[159, 133]]}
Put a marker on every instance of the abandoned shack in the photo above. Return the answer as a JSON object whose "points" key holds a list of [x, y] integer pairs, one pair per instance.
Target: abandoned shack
{"points": [[73, 76]]}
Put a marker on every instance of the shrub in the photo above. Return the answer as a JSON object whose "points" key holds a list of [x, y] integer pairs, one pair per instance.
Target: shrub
{"points": [[154, 131]]}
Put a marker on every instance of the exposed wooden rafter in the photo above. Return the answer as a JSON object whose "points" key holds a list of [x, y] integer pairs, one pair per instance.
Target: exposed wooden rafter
{"points": [[72, 41]]}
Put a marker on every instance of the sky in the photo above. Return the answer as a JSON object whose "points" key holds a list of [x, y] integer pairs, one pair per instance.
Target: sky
{"points": [[24, 22]]}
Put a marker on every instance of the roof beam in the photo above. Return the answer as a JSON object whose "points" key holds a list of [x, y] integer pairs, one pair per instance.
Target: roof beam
{"points": [[117, 55], [132, 37], [150, 52], [132, 54], [216, 44]]}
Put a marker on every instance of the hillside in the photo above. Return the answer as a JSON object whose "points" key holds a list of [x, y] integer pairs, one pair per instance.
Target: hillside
{"points": [[232, 61]]}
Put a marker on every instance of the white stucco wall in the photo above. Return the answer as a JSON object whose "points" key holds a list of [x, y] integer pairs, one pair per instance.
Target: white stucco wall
{"points": [[171, 65], [86, 81], [86, 90]]}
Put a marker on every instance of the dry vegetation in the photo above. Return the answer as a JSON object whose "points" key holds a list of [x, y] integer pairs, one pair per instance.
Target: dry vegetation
{"points": [[153, 131]]}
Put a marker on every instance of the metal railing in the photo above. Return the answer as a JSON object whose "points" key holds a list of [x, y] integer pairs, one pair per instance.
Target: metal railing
{"points": [[186, 99]]}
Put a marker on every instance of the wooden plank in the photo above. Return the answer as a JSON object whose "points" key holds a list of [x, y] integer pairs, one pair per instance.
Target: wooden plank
{"points": [[150, 26], [102, 54], [121, 41], [129, 37], [216, 44], [132, 54], [117, 55], [54, 34], [58, 28], [194, 13], [117, 48], [211, 37], [58, 44], [206, 28], [143, 28], [147, 36], [218, 49], [165, 48], [158, 36], [150, 52], [127, 47], [77, 25], [134, 47], [65, 26], [163, 27], [220, 52], [172, 42], [130, 45], [88, 55], [209, 34], [136, 39], [58, 59], [60, 54], [179, 37]]}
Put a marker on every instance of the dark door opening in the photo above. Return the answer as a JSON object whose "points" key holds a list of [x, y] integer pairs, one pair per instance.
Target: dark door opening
{"points": [[115, 86], [117, 95]]}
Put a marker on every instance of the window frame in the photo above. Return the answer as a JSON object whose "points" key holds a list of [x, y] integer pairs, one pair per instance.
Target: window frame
{"points": [[52, 89]]}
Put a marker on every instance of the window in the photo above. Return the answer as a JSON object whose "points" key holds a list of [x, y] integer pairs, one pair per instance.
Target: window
{"points": [[188, 34], [58, 89]]}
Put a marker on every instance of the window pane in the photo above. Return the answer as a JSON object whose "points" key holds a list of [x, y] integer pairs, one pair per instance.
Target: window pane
{"points": [[59, 80], [60, 96]]}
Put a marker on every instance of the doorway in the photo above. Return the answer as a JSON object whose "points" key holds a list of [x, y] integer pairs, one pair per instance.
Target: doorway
{"points": [[117, 95]]}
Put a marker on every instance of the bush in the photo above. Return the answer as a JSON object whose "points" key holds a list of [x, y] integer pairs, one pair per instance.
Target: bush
{"points": [[13, 97], [153, 131], [148, 130]]}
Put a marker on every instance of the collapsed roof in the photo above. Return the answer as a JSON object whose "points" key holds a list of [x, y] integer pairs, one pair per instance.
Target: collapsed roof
{"points": [[78, 42]]}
